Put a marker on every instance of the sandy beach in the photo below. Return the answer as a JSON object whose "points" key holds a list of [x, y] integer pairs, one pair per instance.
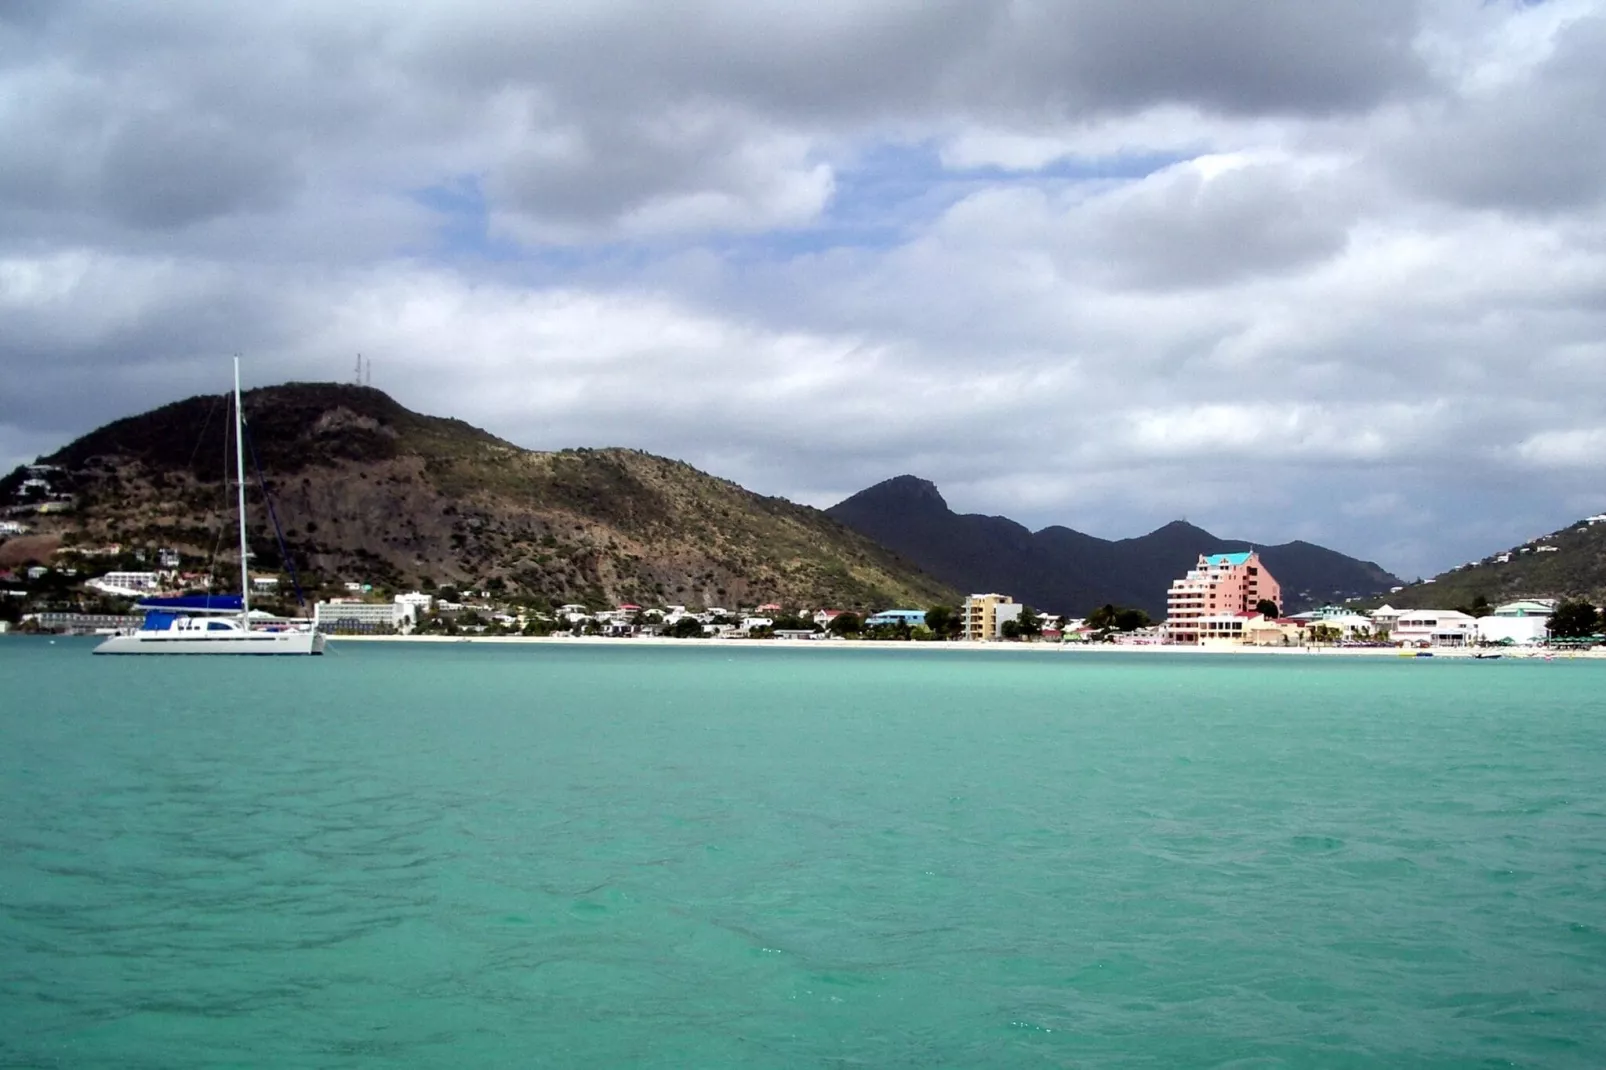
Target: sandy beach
{"points": [[1067, 649]]}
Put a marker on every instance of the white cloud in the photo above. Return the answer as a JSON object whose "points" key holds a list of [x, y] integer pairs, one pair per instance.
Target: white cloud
{"points": [[1581, 447], [1068, 260]]}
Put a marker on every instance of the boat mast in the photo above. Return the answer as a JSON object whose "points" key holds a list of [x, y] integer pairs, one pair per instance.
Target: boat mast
{"points": [[239, 465]]}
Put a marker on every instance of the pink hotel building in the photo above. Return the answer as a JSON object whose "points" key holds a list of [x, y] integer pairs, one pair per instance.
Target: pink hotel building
{"points": [[1220, 586]]}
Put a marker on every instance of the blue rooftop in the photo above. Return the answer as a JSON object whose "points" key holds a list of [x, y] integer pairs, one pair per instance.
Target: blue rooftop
{"points": [[1219, 560]]}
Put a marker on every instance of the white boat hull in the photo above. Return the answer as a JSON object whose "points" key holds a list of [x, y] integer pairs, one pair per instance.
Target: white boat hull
{"points": [[169, 642]]}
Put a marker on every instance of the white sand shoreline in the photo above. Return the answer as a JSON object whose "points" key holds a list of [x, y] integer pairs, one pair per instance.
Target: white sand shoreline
{"points": [[1069, 649]]}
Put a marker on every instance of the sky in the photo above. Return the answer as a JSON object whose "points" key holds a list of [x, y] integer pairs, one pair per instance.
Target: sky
{"points": [[1331, 270]]}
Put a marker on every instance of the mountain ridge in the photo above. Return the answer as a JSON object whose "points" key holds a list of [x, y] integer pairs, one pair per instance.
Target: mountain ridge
{"points": [[1063, 570], [368, 489]]}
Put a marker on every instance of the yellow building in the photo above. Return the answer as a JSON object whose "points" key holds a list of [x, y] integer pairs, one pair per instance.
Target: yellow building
{"points": [[984, 615]]}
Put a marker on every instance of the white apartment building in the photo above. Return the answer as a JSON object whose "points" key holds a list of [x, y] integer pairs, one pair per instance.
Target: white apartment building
{"points": [[353, 615], [1524, 622], [125, 584], [1435, 627]]}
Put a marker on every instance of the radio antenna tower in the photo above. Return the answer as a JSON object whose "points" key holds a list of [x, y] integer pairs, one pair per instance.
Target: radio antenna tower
{"points": [[358, 379], [368, 379]]}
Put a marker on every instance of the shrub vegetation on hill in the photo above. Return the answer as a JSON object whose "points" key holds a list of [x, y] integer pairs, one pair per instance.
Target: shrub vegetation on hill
{"points": [[369, 490]]}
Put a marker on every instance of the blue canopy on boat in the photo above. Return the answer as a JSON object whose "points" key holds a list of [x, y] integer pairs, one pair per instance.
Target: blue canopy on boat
{"points": [[195, 603]]}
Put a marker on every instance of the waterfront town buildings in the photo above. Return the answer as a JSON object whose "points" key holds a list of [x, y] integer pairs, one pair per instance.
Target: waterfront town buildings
{"points": [[1202, 603]]}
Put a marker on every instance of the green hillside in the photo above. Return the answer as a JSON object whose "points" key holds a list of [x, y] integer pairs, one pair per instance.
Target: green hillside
{"points": [[368, 490], [1570, 563]]}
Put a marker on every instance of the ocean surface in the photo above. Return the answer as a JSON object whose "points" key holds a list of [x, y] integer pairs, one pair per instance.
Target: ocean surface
{"points": [[470, 855]]}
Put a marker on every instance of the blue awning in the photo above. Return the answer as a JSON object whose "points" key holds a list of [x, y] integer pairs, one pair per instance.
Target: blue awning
{"points": [[195, 603]]}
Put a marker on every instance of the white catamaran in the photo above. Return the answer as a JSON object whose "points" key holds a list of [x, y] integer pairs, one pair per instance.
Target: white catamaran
{"points": [[216, 624]]}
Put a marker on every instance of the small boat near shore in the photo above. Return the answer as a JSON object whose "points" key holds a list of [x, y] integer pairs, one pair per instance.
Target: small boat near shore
{"points": [[216, 624], [210, 624]]}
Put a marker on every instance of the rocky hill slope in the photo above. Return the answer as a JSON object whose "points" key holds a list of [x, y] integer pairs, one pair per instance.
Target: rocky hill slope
{"points": [[368, 490], [1065, 571], [1570, 563]]}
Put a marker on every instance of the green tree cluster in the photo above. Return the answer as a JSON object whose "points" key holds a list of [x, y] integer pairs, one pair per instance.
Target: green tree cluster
{"points": [[685, 628], [1574, 620], [944, 622], [1027, 626], [845, 624], [1112, 618]]}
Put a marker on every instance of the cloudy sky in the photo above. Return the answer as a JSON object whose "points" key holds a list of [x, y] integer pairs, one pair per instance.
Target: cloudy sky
{"points": [[1333, 269]]}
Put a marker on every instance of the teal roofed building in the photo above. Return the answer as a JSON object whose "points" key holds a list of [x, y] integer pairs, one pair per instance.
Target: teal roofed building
{"points": [[1234, 583]]}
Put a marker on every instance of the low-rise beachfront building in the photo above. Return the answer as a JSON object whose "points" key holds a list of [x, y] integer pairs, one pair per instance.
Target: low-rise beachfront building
{"points": [[1220, 584], [1284, 631], [1225, 629], [914, 618], [1435, 627], [983, 616], [1347, 624], [1525, 622], [1521, 631], [411, 605], [356, 617], [1384, 617], [74, 623]]}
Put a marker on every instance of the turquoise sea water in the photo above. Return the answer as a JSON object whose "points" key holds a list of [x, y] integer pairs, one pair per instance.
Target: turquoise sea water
{"points": [[490, 856]]}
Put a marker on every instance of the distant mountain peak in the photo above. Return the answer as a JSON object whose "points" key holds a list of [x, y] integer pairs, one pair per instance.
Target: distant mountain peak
{"points": [[1177, 526], [904, 490]]}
